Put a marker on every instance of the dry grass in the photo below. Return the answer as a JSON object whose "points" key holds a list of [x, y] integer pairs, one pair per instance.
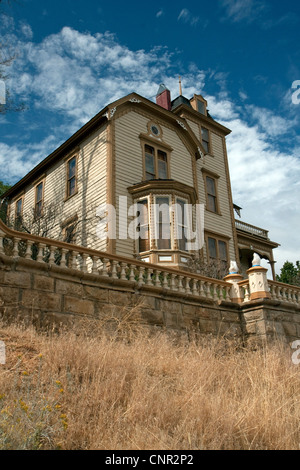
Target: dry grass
{"points": [[89, 389]]}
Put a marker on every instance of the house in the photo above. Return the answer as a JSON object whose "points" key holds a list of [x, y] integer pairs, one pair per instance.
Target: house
{"points": [[142, 179]]}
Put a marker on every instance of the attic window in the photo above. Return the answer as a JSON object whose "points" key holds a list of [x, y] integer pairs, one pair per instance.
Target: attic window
{"points": [[201, 107], [154, 129]]}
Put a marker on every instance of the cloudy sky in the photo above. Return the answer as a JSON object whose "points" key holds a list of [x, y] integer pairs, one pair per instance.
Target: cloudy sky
{"points": [[74, 57]]}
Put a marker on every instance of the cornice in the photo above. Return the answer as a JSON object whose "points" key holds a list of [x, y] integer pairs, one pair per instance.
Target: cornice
{"points": [[163, 185]]}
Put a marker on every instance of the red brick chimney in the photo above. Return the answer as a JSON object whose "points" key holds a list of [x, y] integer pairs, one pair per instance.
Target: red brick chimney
{"points": [[163, 97]]}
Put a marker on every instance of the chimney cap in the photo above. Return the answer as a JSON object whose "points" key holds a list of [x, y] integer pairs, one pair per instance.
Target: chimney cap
{"points": [[162, 87]]}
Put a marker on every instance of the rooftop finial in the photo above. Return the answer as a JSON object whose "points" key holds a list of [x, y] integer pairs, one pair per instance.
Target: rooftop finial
{"points": [[180, 88]]}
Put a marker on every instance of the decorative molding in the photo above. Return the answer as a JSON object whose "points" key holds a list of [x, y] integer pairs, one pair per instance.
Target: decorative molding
{"points": [[135, 100], [181, 124], [112, 111]]}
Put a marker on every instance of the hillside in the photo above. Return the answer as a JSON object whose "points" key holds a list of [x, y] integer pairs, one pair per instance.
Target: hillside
{"points": [[117, 386]]}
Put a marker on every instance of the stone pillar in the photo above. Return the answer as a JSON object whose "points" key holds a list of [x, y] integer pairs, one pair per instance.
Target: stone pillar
{"points": [[235, 292], [234, 278], [258, 283]]}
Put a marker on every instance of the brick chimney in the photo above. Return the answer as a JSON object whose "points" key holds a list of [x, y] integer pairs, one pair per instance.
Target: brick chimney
{"points": [[163, 97]]}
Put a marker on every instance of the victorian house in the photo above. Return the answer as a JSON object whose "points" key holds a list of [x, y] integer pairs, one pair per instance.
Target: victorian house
{"points": [[139, 155]]}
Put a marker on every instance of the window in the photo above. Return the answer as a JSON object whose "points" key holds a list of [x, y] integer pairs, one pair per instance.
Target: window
{"points": [[205, 139], [39, 195], [150, 162], [211, 194], [218, 251], [162, 164], [143, 227], [163, 228], [18, 213], [71, 177], [19, 208], [181, 224], [156, 163]]}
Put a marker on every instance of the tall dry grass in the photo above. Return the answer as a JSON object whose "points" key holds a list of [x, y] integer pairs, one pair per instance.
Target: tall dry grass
{"points": [[121, 387]]}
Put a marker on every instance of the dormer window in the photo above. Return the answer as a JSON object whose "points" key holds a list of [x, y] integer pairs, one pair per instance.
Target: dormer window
{"points": [[199, 104]]}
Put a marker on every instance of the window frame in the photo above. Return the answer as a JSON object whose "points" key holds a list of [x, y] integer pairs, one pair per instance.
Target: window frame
{"points": [[20, 198], [217, 238], [187, 223], [36, 201], [215, 178], [147, 241], [156, 223], [208, 142], [75, 176], [158, 146]]}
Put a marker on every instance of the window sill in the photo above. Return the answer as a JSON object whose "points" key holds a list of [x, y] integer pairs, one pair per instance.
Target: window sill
{"points": [[212, 212], [70, 197]]}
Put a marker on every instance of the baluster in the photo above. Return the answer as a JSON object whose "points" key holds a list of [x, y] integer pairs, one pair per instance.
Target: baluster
{"points": [[131, 273], [180, 286], [114, 273], [141, 276], [123, 271], [173, 283], [194, 286], [208, 292], [51, 260], [63, 263], [215, 293], [73, 263], [84, 257], [165, 280], [187, 285], [2, 235], [94, 265], [201, 291], [157, 279], [40, 254], [16, 247], [277, 293], [104, 268], [293, 295], [149, 281], [28, 253], [227, 293]]}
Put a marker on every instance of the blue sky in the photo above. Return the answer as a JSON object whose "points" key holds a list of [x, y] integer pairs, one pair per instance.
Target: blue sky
{"points": [[74, 57]]}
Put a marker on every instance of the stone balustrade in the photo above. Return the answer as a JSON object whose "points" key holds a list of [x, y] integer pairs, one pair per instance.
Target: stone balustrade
{"points": [[284, 292], [111, 267]]}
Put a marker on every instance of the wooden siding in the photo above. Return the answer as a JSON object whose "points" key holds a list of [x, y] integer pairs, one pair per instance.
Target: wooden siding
{"points": [[91, 180], [129, 161], [220, 224]]}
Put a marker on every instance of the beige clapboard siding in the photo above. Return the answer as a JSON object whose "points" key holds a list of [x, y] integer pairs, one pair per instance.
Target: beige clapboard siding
{"points": [[129, 161], [221, 224], [195, 128], [91, 191], [128, 166]]}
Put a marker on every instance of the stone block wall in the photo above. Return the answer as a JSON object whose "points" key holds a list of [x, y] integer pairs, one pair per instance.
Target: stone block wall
{"points": [[47, 295], [52, 295]]}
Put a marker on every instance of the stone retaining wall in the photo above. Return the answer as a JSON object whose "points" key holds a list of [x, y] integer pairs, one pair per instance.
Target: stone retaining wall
{"points": [[53, 295]]}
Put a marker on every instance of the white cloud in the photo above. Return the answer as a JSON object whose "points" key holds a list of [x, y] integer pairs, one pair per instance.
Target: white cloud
{"points": [[26, 30], [265, 181], [242, 10], [186, 16]]}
